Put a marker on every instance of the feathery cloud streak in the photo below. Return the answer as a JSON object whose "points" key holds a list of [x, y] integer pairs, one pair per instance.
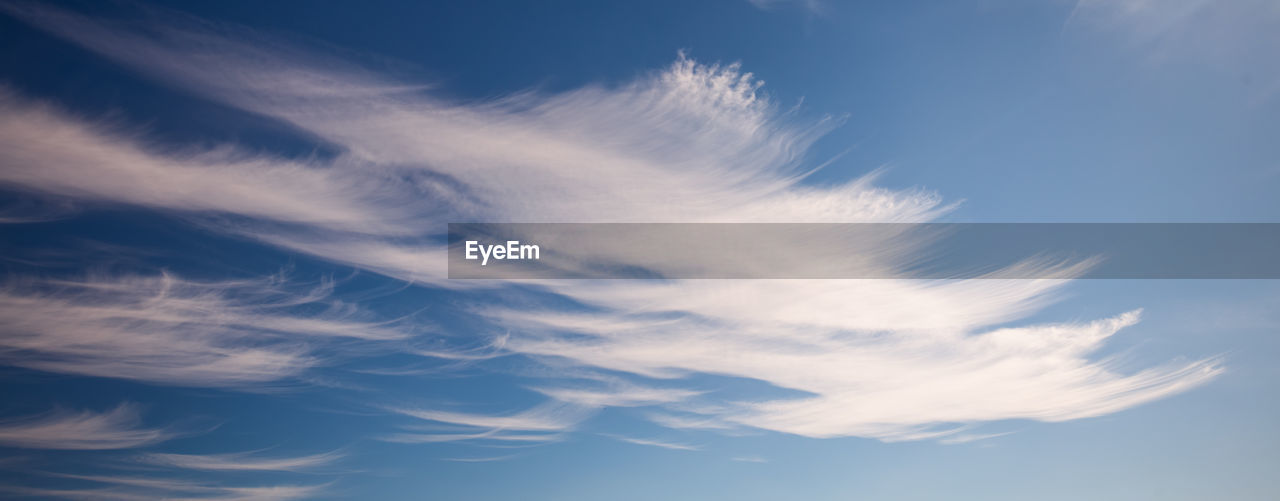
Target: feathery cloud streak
{"points": [[118, 428], [242, 461], [889, 359], [164, 329]]}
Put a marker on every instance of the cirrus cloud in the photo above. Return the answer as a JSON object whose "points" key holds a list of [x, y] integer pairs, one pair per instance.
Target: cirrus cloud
{"points": [[886, 359]]}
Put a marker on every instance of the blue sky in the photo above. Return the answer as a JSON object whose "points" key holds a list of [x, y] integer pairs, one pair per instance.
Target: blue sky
{"points": [[224, 278]]}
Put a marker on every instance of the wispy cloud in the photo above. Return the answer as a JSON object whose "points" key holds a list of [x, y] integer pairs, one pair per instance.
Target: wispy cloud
{"points": [[692, 143], [486, 459], [169, 476], [617, 394], [889, 359], [173, 331], [37, 137], [242, 461], [118, 428], [541, 424], [135, 489], [664, 444], [487, 437], [815, 6], [870, 383], [970, 437], [271, 493], [544, 418]]}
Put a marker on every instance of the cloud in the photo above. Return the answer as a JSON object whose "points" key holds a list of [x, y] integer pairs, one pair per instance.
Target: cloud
{"points": [[656, 443], [241, 461], [162, 484], [617, 394], [488, 437], [488, 459], [886, 359], [118, 428], [814, 6], [168, 330], [969, 437], [644, 138], [140, 489], [544, 423], [546, 418], [899, 384], [50, 151], [170, 477], [270, 493]]}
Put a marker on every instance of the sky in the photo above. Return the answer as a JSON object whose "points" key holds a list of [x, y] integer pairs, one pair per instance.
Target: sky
{"points": [[224, 274]]}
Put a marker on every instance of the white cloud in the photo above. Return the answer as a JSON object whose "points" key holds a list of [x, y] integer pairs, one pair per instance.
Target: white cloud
{"points": [[970, 437], [616, 393], [488, 436], [888, 359], [49, 150], [664, 444], [136, 489], [886, 383], [119, 428], [242, 461], [545, 418], [169, 477], [168, 330], [271, 493], [544, 423]]}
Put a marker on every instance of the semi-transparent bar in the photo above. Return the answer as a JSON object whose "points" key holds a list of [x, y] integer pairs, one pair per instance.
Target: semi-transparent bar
{"points": [[864, 250]]}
